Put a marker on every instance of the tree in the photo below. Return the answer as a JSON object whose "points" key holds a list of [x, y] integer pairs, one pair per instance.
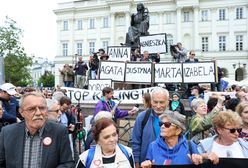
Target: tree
{"points": [[16, 61], [47, 79]]}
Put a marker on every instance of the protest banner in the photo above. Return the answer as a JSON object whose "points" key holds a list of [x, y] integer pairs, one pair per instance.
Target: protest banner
{"points": [[99, 84], [140, 72], [119, 53], [223, 163], [199, 72], [133, 96], [168, 73], [112, 70], [154, 43]]}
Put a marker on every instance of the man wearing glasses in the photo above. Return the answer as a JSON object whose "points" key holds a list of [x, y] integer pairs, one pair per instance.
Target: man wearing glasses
{"points": [[192, 57], [35, 142], [54, 112]]}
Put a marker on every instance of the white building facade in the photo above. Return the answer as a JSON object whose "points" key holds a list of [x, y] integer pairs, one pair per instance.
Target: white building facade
{"points": [[215, 29]]}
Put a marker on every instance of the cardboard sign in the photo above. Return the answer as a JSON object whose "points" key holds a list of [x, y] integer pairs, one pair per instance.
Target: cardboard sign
{"points": [[112, 70], [168, 73], [99, 84], [119, 53], [153, 43]]}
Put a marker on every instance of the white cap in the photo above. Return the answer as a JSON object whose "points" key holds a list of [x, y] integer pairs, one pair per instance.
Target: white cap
{"points": [[9, 88]]}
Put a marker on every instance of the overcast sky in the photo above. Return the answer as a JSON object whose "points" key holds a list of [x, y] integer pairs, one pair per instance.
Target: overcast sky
{"points": [[37, 20]]}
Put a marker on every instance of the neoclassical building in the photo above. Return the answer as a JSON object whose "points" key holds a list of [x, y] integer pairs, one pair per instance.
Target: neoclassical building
{"points": [[215, 29]]}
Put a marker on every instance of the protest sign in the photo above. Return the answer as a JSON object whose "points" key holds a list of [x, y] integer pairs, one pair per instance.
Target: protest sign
{"points": [[138, 72], [154, 43], [168, 73], [199, 72], [112, 70], [119, 53], [99, 84], [133, 96]]}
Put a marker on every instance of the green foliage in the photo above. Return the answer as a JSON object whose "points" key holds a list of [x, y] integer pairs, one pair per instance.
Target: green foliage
{"points": [[47, 79], [16, 61]]}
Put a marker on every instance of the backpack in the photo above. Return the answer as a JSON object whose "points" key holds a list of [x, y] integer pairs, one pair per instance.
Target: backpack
{"points": [[145, 119], [92, 152]]}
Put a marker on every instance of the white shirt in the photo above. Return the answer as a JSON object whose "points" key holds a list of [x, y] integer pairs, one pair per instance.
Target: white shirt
{"points": [[231, 151]]}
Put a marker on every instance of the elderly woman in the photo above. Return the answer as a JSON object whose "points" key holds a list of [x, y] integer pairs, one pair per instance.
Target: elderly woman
{"points": [[172, 148], [242, 109], [226, 143], [201, 123], [107, 153]]}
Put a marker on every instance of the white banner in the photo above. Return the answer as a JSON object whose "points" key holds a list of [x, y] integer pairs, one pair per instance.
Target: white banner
{"points": [[153, 43], [198, 72], [119, 53], [99, 84], [112, 70], [168, 73], [138, 72], [89, 96]]}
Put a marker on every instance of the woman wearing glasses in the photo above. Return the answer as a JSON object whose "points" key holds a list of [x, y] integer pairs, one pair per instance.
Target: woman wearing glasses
{"points": [[172, 148], [226, 143]]}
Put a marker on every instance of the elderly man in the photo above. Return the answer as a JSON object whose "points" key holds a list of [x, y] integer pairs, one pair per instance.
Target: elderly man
{"points": [[54, 112], [35, 142], [146, 128]]}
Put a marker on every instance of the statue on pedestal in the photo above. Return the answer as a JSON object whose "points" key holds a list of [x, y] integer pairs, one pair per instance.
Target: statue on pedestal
{"points": [[139, 26]]}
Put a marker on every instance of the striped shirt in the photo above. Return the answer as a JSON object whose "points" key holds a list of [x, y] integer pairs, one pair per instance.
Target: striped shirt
{"points": [[32, 149]]}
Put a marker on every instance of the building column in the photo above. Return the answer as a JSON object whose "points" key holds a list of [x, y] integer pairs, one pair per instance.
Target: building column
{"points": [[128, 19], [213, 46], [161, 22], [98, 37], [231, 46], [196, 28], [112, 29], [178, 25]]}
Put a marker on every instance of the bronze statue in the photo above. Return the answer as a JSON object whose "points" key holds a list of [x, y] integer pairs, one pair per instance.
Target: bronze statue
{"points": [[139, 26]]}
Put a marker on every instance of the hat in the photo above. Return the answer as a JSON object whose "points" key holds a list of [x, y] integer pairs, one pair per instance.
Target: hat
{"points": [[9, 88], [175, 93], [175, 118]]}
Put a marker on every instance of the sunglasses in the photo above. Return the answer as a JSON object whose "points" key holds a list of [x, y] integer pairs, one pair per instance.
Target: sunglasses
{"points": [[166, 124], [233, 130]]}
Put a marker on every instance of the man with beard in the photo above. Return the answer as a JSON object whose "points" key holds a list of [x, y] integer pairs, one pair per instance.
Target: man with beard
{"points": [[35, 142], [146, 132]]}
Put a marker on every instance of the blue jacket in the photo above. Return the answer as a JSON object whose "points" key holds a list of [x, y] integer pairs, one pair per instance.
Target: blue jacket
{"points": [[141, 140], [9, 110], [160, 152], [206, 145]]}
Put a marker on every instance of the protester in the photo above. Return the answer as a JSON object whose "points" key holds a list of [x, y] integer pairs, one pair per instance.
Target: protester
{"points": [[93, 64], [175, 104], [147, 100], [146, 128], [107, 104], [242, 110], [181, 53], [172, 148], [241, 96], [34, 142], [226, 143], [201, 124], [196, 93], [107, 152], [80, 72], [67, 74], [192, 57], [54, 112], [1, 116]]}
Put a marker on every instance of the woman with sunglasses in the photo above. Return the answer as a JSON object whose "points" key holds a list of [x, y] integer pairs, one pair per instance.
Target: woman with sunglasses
{"points": [[172, 148], [226, 143], [242, 109]]}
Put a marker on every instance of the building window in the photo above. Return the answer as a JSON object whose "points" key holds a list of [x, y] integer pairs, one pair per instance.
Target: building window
{"points": [[239, 13], [79, 49], [120, 20], [105, 22], [80, 24], [204, 15], [91, 47], [222, 14], [92, 24], [204, 44], [65, 25], [168, 17], [186, 16], [153, 19], [169, 41], [65, 49], [239, 43], [222, 43], [105, 45]]}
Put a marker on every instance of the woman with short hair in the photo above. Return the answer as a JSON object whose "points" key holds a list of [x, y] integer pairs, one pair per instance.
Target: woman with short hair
{"points": [[107, 152], [226, 143], [242, 110]]}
